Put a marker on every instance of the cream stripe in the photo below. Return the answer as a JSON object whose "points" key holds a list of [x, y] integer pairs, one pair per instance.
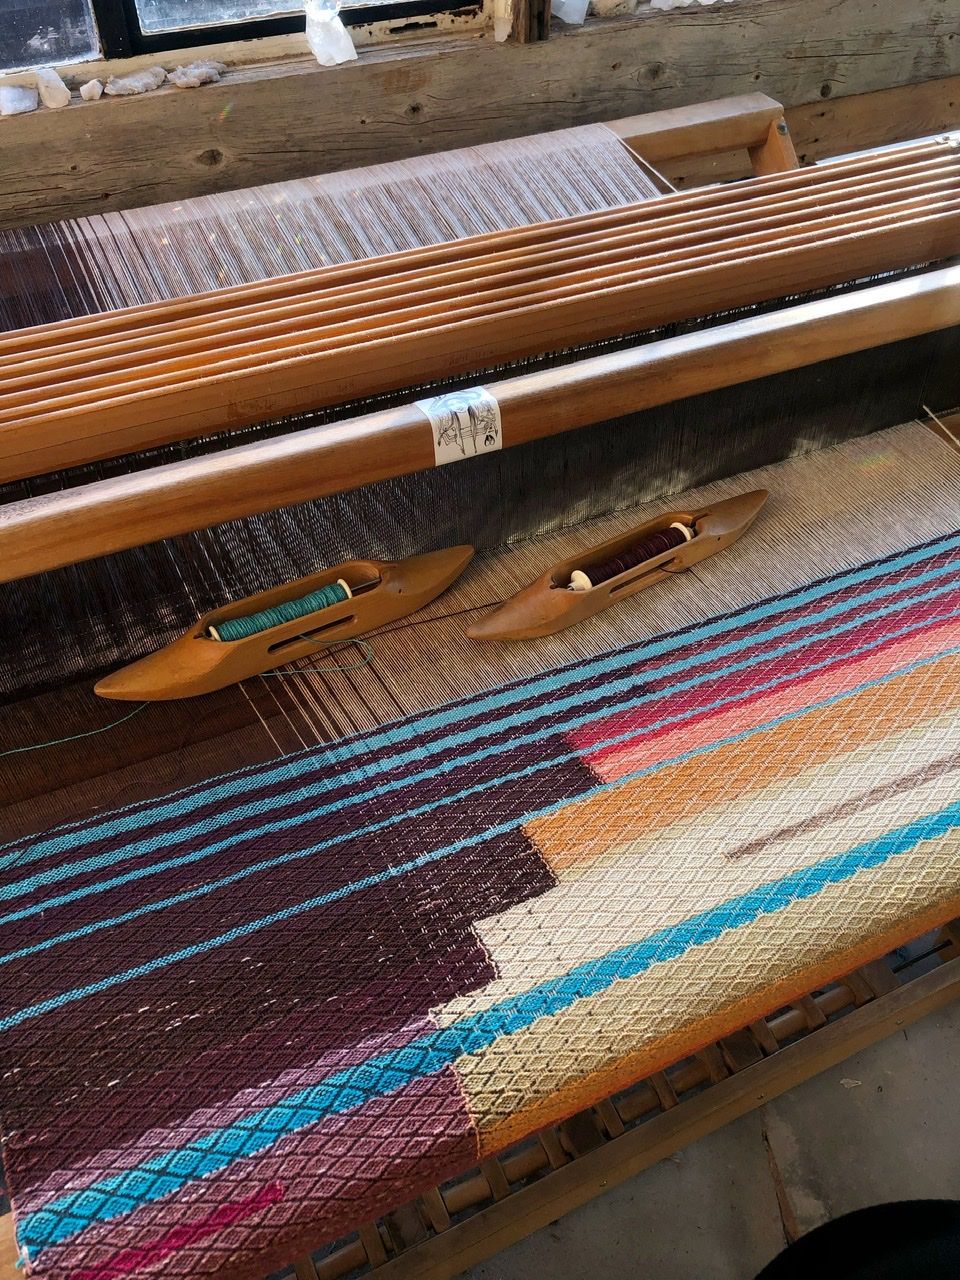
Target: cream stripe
{"points": [[633, 1015]]}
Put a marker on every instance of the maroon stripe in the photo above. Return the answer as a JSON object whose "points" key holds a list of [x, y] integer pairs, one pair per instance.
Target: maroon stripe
{"points": [[153, 1049], [741, 686], [351, 858]]}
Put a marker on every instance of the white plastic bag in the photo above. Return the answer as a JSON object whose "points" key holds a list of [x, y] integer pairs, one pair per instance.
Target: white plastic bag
{"points": [[573, 12], [327, 36]]}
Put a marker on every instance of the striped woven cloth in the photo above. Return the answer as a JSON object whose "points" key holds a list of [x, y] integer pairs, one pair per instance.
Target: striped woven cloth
{"points": [[247, 1017]]}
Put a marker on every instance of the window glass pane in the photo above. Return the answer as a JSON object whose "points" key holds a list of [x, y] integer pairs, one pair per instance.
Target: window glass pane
{"points": [[172, 15], [37, 32], [157, 16]]}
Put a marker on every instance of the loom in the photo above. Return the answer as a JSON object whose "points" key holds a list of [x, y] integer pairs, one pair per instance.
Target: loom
{"points": [[533, 348]]}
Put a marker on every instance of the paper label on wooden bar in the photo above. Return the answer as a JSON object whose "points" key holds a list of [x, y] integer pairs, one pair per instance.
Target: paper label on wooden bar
{"points": [[465, 423]]}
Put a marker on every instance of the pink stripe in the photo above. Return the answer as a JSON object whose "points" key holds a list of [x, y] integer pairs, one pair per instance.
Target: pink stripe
{"points": [[650, 748], [763, 670], [337, 1174], [699, 651], [128, 1260], [739, 684]]}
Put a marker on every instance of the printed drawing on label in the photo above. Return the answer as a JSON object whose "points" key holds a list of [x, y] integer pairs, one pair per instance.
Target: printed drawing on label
{"points": [[465, 423]]}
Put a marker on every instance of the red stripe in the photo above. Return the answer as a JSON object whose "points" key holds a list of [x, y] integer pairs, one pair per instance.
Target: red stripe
{"points": [[132, 1260]]}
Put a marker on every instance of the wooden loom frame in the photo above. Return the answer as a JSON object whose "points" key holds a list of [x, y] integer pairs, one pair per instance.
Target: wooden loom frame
{"points": [[102, 517], [744, 1068], [581, 277], [105, 516]]}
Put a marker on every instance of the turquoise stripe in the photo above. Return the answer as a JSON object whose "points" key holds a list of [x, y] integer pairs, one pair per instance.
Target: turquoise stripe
{"points": [[166, 1173], [179, 804], [71, 870], [334, 895]]}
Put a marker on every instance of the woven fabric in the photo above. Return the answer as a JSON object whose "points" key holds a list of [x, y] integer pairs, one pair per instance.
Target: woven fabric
{"points": [[249, 1016]]}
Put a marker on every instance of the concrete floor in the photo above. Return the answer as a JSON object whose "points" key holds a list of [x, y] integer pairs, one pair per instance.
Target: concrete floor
{"points": [[884, 1125]]}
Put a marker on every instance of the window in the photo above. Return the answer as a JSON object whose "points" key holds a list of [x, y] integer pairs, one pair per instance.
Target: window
{"points": [[39, 32], [34, 32], [174, 15]]}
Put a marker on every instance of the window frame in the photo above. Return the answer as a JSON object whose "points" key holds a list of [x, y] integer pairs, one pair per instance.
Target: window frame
{"points": [[121, 35]]}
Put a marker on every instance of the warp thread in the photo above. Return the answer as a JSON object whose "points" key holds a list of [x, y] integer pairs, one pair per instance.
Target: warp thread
{"points": [[364, 645]]}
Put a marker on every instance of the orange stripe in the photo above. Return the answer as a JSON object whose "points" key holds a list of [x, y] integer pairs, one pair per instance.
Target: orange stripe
{"points": [[588, 829]]}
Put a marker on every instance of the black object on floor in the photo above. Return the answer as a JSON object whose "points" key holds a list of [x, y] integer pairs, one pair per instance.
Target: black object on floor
{"points": [[905, 1240]]}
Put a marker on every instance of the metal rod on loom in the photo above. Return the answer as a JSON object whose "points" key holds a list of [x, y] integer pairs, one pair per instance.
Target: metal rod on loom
{"points": [[110, 515]]}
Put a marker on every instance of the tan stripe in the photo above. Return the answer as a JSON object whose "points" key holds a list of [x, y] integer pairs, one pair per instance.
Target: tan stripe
{"points": [[562, 1063], [586, 829], [652, 886]]}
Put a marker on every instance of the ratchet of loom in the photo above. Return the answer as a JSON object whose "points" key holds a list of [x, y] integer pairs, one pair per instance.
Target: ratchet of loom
{"points": [[200, 661], [548, 605]]}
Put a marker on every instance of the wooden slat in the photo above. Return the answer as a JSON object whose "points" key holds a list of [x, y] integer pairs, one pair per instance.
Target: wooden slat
{"points": [[906, 161], [764, 1037], [880, 977], [700, 129], [740, 1050], [363, 349], [108, 359], [372, 1242], [812, 1013], [109, 515]]}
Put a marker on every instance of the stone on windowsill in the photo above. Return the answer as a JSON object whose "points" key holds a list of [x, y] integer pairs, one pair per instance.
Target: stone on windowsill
{"points": [[16, 99], [53, 92], [204, 71], [135, 82]]}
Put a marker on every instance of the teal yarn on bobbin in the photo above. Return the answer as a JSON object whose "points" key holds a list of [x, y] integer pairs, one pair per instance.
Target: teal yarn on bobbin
{"points": [[289, 611]]}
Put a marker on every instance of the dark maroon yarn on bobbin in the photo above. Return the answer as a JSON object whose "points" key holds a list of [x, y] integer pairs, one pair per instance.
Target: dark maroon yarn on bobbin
{"points": [[654, 544]]}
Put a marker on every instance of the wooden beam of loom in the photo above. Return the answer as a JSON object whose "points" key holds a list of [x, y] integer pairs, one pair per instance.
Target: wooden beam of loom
{"points": [[109, 515], [410, 328], [129, 347], [836, 179], [709, 128]]}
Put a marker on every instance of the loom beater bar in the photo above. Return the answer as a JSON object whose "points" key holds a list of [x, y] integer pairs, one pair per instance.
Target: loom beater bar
{"points": [[92, 520]]}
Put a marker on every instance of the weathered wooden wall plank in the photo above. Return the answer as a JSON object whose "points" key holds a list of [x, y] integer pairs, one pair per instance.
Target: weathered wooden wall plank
{"points": [[263, 124]]}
